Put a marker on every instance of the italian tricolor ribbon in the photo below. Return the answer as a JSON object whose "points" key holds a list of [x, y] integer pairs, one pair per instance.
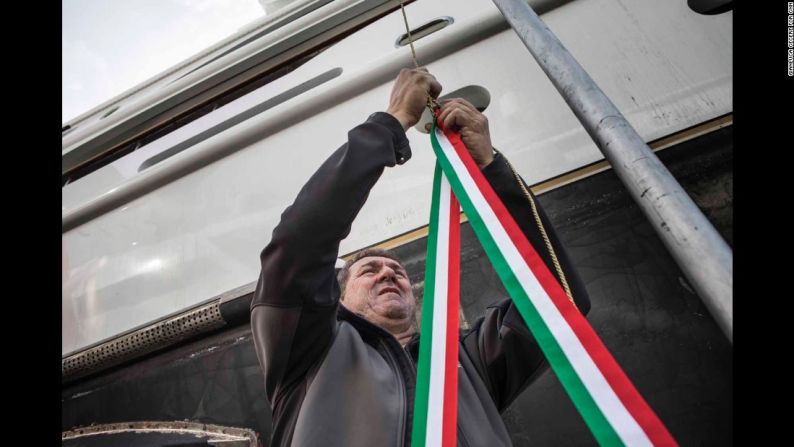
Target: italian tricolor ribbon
{"points": [[607, 400]]}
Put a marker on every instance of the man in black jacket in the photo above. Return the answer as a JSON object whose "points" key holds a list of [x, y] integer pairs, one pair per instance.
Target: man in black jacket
{"points": [[345, 375]]}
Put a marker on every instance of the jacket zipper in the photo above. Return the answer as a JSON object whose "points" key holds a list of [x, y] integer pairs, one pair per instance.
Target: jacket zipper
{"points": [[410, 399], [406, 398], [390, 347]]}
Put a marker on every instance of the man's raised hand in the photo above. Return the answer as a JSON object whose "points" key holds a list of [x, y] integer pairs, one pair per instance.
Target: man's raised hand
{"points": [[461, 116], [409, 95]]}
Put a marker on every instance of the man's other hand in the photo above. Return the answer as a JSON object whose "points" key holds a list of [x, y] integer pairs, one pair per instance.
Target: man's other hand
{"points": [[460, 116], [409, 95]]}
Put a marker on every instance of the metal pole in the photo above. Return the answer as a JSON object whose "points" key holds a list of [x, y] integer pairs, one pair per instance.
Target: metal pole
{"points": [[699, 250]]}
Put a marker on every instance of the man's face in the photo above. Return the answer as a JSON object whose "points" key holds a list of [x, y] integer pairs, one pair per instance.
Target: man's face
{"points": [[378, 289]]}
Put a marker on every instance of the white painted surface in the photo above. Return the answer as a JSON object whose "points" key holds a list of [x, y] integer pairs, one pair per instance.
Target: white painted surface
{"points": [[664, 66]]}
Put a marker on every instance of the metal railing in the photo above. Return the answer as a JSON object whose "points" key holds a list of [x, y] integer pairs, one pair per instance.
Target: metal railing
{"points": [[701, 253]]}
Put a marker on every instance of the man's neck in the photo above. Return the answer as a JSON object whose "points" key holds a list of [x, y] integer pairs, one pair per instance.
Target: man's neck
{"points": [[401, 330], [405, 336]]}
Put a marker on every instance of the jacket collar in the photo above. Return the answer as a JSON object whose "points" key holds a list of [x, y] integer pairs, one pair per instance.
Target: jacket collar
{"points": [[369, 329]]}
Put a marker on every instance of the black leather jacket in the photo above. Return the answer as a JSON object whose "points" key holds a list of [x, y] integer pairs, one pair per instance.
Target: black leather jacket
{"points": [[335, 379]]}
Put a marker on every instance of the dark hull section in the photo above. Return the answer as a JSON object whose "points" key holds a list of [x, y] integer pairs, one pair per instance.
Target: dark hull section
{"points": [[216, 380], [642, 308]]}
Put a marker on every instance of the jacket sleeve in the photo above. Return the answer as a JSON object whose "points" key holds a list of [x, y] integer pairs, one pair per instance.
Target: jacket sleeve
{"points": [[293, 311], [499, 343]]}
